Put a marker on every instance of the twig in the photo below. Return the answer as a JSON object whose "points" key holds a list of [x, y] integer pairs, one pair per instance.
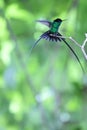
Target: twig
{"points": [[75, 42], [82, 47]]}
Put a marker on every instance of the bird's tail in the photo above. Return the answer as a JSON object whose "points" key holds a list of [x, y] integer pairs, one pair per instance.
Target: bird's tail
{"points": [[56, 37], [51, 36], [74, 54], [47, 36]]}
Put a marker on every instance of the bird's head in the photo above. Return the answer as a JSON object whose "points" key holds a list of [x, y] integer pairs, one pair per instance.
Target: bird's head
{"points": [[58, 20]]}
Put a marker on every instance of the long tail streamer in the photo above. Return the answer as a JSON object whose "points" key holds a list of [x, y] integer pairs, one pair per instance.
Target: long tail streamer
{"points": [[35, 44], [56, 37], [74, 54]]}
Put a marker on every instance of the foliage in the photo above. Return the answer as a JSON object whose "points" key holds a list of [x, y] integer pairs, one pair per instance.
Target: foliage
{"points": [[47, 89]]}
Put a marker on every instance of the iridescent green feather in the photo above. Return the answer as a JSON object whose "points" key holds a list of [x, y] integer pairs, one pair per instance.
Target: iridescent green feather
{"points": [[54, 27]]}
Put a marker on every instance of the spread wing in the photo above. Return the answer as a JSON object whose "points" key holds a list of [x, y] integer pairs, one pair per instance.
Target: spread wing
{"points": [[45, 22]]}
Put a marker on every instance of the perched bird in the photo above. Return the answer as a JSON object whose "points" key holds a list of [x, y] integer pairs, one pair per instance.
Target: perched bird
{"points": [[53, 35]]}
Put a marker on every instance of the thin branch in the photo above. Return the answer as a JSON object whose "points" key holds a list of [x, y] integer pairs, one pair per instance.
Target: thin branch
{"points": [[75, 42], [82, 47]]}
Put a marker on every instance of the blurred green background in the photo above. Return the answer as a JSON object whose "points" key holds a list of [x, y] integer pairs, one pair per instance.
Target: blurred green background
{"points": [[46, 90]]}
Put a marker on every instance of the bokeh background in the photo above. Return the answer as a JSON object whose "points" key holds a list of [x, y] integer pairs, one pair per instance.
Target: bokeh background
{"points": [[46, 90]]}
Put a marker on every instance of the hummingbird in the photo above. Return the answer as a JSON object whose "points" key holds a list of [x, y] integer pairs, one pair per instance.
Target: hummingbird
{"points": [[53, 35]]}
